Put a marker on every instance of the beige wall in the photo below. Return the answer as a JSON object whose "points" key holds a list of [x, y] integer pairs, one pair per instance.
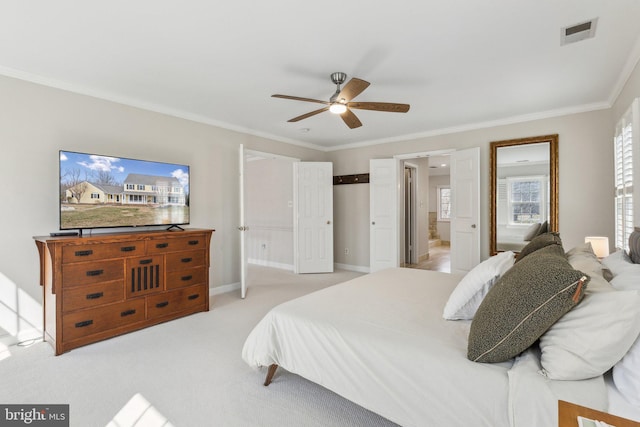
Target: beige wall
{"points": [[37, 121], [586, 204]]}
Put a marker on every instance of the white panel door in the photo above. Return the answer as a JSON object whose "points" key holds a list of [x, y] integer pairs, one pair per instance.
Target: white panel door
{"points": [[313, 217], [465, 210], [243, 229], [383, 212]]}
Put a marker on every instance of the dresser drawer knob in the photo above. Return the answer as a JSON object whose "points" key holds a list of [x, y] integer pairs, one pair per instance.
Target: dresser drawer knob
{"points": [[186, 278], [84, 323], [95, 295], [162, 245], [194, 296], [127, 313], [128, 248], [95, 272], [193, 242], [84, 253], [186, 259], [162, 304]]}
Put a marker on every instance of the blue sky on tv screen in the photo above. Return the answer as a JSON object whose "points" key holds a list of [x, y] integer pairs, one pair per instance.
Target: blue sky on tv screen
{"points": [[90, 164]]}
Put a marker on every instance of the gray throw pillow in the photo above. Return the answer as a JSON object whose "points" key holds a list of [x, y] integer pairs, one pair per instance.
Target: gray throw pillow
{"points": [[539, 242], [634, 246], [526, 301]]}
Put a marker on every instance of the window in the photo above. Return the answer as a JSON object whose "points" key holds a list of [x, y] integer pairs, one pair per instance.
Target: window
{"points": [[444, 203], [625, 143], [130, 187], [141, 187], [525, 199], [95, 195]]}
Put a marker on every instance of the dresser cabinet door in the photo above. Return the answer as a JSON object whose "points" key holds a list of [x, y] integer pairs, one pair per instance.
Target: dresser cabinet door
{"points": [[145, 275]]}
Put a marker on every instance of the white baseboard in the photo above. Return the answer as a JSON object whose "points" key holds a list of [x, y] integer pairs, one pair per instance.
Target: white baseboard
{"points": [[349, 267], [224, 289], [236, 286], [272, 264]]}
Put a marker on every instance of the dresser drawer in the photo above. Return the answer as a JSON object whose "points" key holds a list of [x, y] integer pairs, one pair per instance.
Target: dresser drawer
{"points": [[182, 260], [92, 295], [177, 244], [182, 278], [91, 321], [83, 253], [88, 273], [178, 300]]}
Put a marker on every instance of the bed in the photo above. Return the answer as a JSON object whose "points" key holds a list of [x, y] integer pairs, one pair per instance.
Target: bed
{"points": [[381, 341]]}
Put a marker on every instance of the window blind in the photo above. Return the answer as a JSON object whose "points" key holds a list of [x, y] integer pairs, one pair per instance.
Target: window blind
{"points": [[626, 130]]}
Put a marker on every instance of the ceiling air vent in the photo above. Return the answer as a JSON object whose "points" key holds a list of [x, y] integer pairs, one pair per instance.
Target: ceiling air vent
{"points": [[581, 31]]}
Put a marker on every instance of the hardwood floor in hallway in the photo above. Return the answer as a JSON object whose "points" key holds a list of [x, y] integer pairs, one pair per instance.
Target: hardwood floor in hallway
{"points": [[439, 259]]}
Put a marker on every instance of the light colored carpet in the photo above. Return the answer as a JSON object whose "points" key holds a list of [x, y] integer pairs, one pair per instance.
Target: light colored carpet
{"points": [[190, 370]]}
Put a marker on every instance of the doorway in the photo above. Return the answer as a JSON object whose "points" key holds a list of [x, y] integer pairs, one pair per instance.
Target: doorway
{"points": [[386, 202], [278, 227], [426, 213]]}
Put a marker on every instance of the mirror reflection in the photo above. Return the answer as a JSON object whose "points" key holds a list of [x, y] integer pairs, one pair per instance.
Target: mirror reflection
{"points": [[524, 196]]}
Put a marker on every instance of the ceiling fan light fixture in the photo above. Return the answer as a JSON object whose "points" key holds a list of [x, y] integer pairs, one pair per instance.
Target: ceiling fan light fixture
{"points": [[337, 108]]}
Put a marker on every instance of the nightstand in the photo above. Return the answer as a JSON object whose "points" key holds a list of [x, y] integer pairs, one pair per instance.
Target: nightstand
{"points": [[568, 416]]}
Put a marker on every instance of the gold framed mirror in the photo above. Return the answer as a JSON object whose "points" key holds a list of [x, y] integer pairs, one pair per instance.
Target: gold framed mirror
{"points": [[524, 191]]}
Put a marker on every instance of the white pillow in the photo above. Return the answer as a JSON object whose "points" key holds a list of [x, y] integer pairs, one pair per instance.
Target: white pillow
{"points": [[590, 339], [467, 296], [626, 374], [584, 259], [628, 279], [617, 262]]}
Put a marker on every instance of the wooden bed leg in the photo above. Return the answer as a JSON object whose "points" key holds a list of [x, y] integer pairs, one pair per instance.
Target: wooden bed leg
{"points": [[270, 373]]}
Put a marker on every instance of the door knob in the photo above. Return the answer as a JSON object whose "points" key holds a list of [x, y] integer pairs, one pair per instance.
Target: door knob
{"points": [[328, 222], [473, 226], [373, 223]]}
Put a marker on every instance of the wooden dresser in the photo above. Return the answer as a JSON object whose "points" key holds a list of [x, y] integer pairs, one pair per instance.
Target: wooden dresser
{"points": [[99, 286]]}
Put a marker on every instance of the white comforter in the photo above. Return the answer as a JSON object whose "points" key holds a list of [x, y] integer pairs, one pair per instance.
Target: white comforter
{"points": [[381, 342]]}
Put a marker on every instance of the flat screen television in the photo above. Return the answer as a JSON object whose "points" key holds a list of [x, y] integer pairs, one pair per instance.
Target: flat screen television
{"points": [[98, 191]]}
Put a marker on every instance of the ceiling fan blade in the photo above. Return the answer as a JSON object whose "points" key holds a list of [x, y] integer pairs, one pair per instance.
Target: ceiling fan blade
{"points": [[306, 116], [350, 119], [297, 98], [380, 106], [353, 88]]}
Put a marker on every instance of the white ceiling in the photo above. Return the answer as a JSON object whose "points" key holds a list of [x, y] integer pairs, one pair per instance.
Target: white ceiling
{"points": [[461, 64]]}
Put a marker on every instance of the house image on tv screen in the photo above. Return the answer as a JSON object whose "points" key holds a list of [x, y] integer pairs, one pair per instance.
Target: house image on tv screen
{"points": [[137, 189]]}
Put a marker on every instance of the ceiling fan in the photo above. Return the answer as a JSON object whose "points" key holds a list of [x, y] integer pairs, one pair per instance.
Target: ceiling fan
{"points": [[341, 101]]}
